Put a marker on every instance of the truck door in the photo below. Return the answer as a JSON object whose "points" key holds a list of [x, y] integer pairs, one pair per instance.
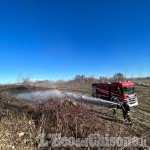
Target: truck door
{"points": [[109, 89], [94, 91]]}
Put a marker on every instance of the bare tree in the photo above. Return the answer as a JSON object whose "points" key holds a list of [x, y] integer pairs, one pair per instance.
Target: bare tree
{"points": [[119, 77], [26, 80]]}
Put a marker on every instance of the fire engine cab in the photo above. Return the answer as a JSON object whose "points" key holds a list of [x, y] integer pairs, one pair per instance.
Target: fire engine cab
{"points": [[116, 92]]}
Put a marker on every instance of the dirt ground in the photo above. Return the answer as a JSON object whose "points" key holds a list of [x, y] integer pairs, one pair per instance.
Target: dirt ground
{"points": [[22, 123]]}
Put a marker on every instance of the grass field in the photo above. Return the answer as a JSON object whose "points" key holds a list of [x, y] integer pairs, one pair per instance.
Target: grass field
{"points": [[141, 113], [22, 122]]}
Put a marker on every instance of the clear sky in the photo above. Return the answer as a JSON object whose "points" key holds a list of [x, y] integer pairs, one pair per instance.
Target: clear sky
{"points": [[52, 39]]}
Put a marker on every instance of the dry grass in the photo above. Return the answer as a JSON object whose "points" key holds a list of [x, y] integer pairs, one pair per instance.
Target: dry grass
{"points": [[17, 131], [22, 123]]}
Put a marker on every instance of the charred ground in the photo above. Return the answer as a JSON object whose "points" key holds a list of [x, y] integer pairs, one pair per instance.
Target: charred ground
{"points": [[22, 122]]}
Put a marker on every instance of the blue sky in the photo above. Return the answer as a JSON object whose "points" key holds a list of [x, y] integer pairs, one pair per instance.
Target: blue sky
{"points": [[53, 39]]}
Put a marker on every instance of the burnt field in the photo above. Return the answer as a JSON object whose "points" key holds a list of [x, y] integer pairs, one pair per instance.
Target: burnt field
{"points": [[141, 113], [22, 123]]}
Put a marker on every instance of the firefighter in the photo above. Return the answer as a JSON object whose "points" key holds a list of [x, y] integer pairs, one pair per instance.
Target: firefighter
{"points": [[115, 107], [115, 111], [125, 111]]}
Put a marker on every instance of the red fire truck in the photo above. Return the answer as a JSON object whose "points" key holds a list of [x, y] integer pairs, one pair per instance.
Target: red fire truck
{"points": [[116, 91]]}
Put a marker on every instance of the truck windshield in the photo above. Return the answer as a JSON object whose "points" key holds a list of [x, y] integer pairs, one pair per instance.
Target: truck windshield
{"points": [[128, 89]]}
